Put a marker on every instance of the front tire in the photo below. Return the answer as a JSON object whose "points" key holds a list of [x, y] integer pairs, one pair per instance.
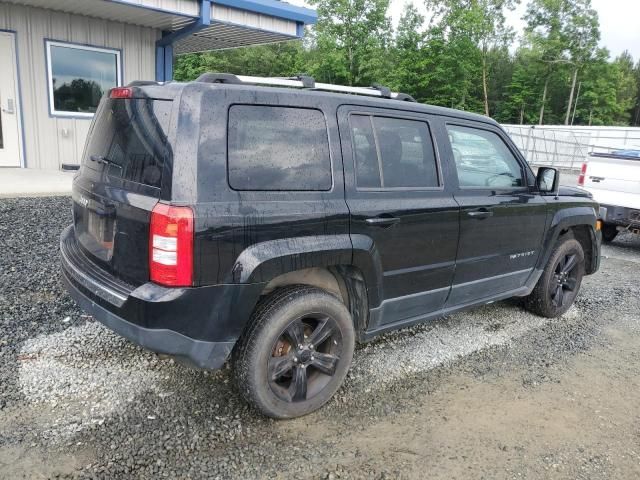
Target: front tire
{"points": [[296, 352], [560, 282], [609, 232]]}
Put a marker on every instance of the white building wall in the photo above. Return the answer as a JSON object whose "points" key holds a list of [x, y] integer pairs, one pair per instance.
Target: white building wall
{"points": [[51, 141]]}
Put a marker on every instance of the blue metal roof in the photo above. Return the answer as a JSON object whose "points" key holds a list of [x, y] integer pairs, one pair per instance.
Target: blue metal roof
{"points": [[274, 8]]}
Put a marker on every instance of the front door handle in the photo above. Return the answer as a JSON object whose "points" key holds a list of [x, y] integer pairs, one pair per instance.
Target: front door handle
{"points": [[382, 221], [480, 214]]}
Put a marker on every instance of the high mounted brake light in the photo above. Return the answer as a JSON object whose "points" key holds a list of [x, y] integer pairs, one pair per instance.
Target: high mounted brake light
{"points": [[583, 172], [121, 92], [171, 246]]}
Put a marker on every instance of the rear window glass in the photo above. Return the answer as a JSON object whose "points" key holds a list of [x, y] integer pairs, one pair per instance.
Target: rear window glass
{"points": [[278, 148], [129, 140], [392, 153]]}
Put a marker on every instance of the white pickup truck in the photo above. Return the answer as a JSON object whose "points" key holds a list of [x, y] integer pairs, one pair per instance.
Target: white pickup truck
{"points": [[614, 180]]}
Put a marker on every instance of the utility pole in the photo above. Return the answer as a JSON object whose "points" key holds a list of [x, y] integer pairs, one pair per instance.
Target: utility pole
{"points": [[573, 89], [575, 105]]}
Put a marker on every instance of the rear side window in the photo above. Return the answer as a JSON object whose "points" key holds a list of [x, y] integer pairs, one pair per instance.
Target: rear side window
{"points": [[278, 148], [129, 140], [392, 153], [482, 159]]}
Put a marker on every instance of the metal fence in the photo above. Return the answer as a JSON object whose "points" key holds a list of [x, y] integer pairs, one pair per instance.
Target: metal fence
{"points": [[568, 147]]}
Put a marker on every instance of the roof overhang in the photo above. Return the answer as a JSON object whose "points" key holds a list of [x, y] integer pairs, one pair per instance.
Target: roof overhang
{"points": [[195, 25], [141, 12], [231, 23], [231, 27]]}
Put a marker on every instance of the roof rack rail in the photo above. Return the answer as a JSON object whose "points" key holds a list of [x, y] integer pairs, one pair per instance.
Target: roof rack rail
{"points": [[304, 81]]}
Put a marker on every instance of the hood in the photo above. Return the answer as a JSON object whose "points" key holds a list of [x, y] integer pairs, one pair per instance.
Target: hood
{"points": [[567, 191]]}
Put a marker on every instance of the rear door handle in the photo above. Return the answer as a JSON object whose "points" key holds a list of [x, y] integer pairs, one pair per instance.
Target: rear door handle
{"points": [[480, 214], [382, 221]]}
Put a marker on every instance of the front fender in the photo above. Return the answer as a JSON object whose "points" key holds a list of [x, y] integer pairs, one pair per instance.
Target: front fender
{"points": [[565, 219]]}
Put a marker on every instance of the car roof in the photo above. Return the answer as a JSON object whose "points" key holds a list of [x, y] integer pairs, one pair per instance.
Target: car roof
{"points": [[288, 95]]}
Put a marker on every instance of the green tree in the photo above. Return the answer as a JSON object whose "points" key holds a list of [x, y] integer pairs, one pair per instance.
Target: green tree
{"points": [[583, 34], [600, 102], [522, 91], [351, 40], [409, 72], [626, 86], [280, 59], [635, 109], [565, 32], [479, 22], [501, 70]]}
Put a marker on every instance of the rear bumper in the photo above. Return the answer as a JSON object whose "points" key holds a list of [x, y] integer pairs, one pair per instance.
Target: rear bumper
{"points": [[622, 216], [199, 325]]}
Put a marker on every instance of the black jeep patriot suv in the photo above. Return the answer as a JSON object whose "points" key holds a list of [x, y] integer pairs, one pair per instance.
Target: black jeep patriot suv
{"points": [[275, 222]]}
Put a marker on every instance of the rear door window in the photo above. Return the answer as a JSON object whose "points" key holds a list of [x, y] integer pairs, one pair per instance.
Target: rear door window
{"points": [[278, 148], [393, 153]]}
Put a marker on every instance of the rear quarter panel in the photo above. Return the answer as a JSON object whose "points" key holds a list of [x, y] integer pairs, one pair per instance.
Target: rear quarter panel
{"points": [[238, 231]]}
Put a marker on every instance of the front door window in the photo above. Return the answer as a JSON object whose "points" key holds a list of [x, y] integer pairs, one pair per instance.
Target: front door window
{"points": [[482, 159]]}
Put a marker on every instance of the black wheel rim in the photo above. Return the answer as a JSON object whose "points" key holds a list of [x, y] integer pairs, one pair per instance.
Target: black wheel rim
{"points": [[564, 281], [304, 358]]}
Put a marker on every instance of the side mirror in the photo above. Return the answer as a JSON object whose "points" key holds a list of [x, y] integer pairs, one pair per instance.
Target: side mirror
{"points": [[548, 180]]}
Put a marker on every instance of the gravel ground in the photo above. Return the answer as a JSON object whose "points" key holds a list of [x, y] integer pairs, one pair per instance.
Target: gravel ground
{"points": [[491, 393]]}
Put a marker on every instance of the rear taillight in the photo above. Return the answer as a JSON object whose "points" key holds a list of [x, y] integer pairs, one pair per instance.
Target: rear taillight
{"points": [[171, 246], [121, 92], [583, 172]]}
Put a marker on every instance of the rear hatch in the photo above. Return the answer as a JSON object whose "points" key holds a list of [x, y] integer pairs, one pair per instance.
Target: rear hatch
{"points": [[126, 169]]}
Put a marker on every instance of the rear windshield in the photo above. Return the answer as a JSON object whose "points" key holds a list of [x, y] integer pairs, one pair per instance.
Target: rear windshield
{"points": [[129, 140]]}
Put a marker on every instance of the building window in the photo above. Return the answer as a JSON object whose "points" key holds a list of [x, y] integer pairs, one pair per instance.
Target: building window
{"points": [[78, 76]]}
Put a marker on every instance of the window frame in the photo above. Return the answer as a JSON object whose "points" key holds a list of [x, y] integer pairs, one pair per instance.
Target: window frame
{"points": [[523, 172], [434, 144], [78, 46], [296, 190]]}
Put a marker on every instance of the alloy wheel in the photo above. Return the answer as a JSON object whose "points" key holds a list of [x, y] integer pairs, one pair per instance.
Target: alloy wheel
{"points": [[564, 280], [304, 358]]}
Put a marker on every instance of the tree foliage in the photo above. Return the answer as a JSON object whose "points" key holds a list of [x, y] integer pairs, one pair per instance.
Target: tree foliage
{"points": [[462, 56]]}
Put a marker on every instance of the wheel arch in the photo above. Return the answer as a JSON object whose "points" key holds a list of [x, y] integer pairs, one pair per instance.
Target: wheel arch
{"points": [[580, 222], [347, 266]]}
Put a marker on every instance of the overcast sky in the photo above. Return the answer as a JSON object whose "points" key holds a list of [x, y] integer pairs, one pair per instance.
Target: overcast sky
{"points": [[619, 21]]}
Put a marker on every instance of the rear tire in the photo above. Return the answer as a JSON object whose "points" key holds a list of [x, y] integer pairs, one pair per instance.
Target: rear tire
{"points": [[609, 232], [560, 282], [295, 353]]}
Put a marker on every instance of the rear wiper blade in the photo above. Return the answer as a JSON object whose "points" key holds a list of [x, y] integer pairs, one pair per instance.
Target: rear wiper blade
{"points": [[104, 160]]}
